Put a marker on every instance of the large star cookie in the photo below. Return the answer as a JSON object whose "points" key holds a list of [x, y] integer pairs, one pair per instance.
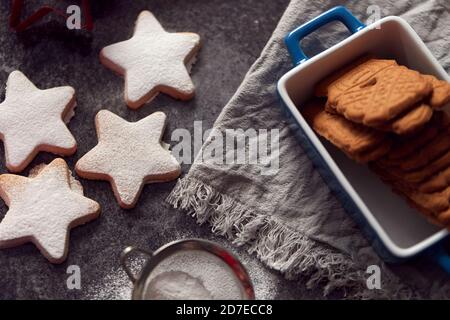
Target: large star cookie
{"points": [[32, 120], [153, 61], [128, 155], [43, 208]]}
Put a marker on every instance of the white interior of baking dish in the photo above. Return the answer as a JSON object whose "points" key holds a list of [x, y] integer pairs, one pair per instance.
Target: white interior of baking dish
{"points": [[402, 229]]}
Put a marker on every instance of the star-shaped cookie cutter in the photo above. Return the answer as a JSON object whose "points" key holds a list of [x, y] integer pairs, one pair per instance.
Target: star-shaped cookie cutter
{"points": [[19, 25]]}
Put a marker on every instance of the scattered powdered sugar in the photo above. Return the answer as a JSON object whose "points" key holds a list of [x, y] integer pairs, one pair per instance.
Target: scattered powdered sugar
{"points": [[115, 285], [264, 281], [207, 274]]}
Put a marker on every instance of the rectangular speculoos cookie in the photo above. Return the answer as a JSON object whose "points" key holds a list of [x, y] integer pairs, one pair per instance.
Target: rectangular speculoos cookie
{"points": [[386, 115], [350, 76], [382, 94], [360, 143], [388, 94], [418, 168]]}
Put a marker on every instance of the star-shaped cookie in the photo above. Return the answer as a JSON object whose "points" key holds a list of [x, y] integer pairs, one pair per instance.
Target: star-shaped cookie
{"points": [[43, 208], [32, 120], [153, 61], [128, 155]]}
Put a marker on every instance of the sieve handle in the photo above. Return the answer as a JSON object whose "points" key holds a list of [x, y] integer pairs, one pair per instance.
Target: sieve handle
{"points": [[124, 259]]}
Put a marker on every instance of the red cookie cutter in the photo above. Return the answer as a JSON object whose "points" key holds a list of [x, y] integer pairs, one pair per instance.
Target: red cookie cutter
{"points": [[20, 25]]}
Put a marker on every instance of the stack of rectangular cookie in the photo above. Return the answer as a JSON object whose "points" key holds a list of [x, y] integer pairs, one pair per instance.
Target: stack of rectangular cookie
{"points": [[418, 167], [360, 143], [383, 95], [380, 112]]}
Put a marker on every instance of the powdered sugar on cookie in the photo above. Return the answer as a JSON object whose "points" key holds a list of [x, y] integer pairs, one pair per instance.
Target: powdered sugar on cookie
{"points": [[129, 155], [32, 120], [153, 61], [43, 208]]}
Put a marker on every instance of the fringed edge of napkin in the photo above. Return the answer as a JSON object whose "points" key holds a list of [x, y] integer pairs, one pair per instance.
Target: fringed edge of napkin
{"points": [[278, 246]]}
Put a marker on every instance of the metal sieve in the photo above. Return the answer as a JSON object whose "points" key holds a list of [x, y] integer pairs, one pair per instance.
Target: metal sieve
{"points": [[155, 258]]}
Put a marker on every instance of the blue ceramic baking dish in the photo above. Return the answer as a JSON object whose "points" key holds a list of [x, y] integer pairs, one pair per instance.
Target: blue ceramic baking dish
{"points": [[396, 230]]}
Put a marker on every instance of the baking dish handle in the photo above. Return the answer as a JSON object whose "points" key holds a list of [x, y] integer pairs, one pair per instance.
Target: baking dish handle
{"points": [[294, 37], [442, 258]]}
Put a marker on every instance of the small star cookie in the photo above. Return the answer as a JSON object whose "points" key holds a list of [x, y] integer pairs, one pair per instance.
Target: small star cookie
{"points": [[153, 61], [129, 155], [43, 208], [33, 120]]}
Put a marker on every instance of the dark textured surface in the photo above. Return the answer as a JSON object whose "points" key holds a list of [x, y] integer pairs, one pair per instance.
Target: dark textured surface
{"points": [[233, 34]]}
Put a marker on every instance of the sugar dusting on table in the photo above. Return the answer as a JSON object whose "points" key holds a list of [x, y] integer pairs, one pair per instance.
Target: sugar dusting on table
{"points": [[115, 285]]}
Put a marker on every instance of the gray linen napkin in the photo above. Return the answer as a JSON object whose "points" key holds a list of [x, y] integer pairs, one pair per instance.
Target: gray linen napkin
{"points": [[290, 220]]}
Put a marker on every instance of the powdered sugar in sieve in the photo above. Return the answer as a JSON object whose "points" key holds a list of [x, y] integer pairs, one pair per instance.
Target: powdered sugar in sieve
{"points": [[192, 274]]}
